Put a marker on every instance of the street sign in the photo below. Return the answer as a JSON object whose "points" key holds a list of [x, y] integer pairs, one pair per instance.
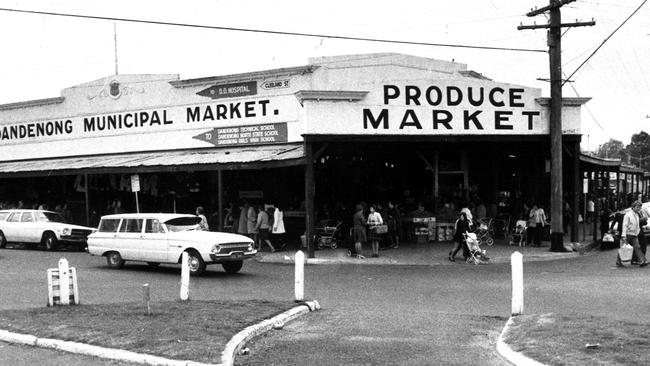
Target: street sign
{"points": [[135, 183]]}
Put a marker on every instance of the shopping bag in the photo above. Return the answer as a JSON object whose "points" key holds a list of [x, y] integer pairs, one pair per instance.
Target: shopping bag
{"points": [[380, 229], [625, 253]]}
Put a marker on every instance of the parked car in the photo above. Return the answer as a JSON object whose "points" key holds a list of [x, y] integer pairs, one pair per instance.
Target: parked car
{"points": [[47, 228], [158, 238]]}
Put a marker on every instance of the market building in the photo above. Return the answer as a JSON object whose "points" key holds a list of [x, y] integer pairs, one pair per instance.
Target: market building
{"points": [[315, 139]]}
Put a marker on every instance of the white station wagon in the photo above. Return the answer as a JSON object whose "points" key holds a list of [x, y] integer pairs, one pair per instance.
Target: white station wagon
{"points": [[162, 238], [43, 227]]}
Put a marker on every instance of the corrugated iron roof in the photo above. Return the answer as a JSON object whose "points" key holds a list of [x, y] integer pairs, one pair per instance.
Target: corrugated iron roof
{"points": [[191, 159]]}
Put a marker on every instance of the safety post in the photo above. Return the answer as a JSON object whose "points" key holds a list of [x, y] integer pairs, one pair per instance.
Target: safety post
{"points": [[62, 285], [516, 261], [300, 276], [146, 297], [185, 277], [64, 281]]}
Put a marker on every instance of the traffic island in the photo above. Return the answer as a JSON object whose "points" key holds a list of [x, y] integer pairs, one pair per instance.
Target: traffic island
{"points": [[176, 333], [573, 339]]}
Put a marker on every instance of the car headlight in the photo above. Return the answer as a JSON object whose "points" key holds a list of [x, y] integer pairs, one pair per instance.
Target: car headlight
{"points": [[216, 249], [66, 231], [250, 247]]}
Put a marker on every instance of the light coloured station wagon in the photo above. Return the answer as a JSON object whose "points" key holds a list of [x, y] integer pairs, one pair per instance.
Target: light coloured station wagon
{"points": [[158, 238]]}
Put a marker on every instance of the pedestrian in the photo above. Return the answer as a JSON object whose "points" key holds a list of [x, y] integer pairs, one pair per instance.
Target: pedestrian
{"points": [[278, 229], [203, 224], [591, 208], [531, 225], [262, 228], [358, 230], [394, 221], [467, 209], [374, 221], [630, 233], [242, 219], [540, 221], [461, 228], [251, 226]]}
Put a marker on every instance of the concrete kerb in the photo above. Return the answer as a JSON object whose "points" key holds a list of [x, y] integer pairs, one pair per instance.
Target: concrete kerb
{"points": [[228, 355], [90, 350], [238, 342], [516, 358]]}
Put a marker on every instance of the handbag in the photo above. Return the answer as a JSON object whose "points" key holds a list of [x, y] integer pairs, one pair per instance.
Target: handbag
{"points": [[380, 229], [625, 253]]}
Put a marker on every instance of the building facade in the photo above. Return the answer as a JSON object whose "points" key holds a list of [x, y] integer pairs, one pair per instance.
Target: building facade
{"points": [[315, 139]]}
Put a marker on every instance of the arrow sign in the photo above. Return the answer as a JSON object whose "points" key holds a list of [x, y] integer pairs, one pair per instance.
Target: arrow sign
{"points": [[245, 135], [230, 90]]}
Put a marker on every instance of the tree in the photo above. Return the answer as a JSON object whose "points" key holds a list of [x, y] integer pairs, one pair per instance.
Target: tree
{"points": [[612, 149], [638, 150]]}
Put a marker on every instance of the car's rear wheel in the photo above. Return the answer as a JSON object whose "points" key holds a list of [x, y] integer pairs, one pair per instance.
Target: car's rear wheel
{"points": [[49, 240], [232, 267], [114, 260], [195, 262], [3, 240]]}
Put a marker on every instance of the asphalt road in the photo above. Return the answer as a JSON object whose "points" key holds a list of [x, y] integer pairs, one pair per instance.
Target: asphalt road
{"points": [[374, 315]]}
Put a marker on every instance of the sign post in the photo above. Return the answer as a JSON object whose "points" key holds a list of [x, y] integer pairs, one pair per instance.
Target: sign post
{"points": [[135, 188], [517, 267]]}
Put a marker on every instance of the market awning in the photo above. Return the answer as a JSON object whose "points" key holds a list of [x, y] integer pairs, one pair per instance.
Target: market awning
{"points": [[240, 157]]}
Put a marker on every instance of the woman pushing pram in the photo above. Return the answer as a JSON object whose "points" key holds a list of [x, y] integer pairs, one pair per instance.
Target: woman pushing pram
{"points": [[467, 240]]}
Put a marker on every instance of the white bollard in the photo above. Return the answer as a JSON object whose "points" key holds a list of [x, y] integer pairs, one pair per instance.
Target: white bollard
{"points": [[64, 282], [516, 262], [185, 278], [300, 276]]}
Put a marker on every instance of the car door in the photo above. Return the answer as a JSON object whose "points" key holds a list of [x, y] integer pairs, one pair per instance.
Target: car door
{"points": [[106, 237], [29, 231], [11, 225], [154, 241], [130, 237]]}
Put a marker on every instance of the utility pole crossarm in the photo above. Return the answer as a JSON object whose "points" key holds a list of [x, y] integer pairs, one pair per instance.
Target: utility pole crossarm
{"points": [[562, 25], [553, 5]]}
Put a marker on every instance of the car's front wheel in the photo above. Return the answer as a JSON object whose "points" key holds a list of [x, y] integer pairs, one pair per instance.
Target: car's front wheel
{"points": [[3, 240], [195, 262], [49, 240], [114, 260], [232, 267]]}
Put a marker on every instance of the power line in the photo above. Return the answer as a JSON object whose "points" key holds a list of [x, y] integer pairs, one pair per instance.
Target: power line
{"points": [[299, 34], [606, 39]]}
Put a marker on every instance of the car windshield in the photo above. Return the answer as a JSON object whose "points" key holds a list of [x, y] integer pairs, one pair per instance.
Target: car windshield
{"points": [[48, 216], [183, 223]]}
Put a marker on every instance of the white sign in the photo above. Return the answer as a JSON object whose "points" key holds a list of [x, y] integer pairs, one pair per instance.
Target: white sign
{"points": [[135, 183], [585, 185], [438, 107], [163, 128]]}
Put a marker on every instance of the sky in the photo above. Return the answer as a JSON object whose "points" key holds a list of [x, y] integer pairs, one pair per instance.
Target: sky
{"points": [[43, 54]]}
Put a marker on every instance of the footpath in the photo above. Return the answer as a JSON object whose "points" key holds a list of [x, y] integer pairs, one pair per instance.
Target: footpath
{"points": [[427, 254]]}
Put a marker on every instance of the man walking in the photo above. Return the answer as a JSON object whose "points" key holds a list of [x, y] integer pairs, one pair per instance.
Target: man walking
{"points": [[630, 233]]}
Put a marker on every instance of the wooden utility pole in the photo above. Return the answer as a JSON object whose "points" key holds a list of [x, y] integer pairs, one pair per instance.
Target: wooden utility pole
{"points": [[554, 27]]}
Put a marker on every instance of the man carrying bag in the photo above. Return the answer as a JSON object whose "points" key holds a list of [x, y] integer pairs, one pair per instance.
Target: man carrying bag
{"points": [[630, 237]]}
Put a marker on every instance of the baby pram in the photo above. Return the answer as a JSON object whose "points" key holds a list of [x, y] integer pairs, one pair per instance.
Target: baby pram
{"points": [[518, 236], [485, 231], [327, 232], [476, 254]]}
